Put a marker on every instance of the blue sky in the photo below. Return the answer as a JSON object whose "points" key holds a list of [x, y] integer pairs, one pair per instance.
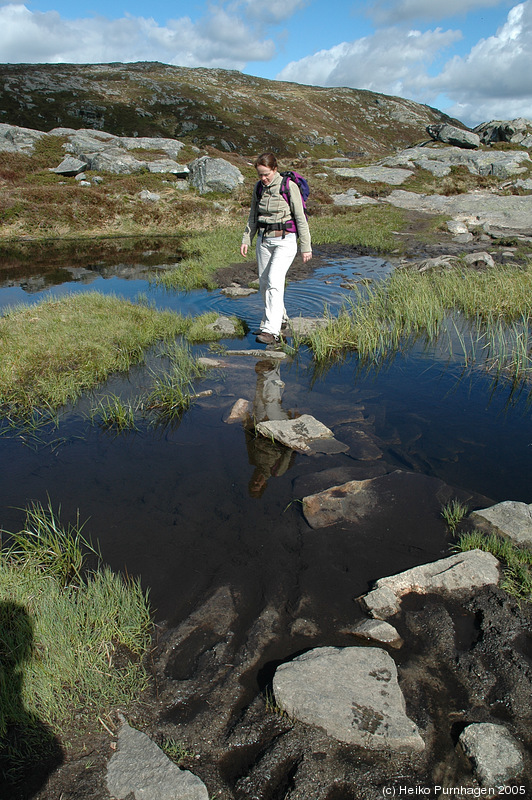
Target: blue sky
{"points": [[470, 58]]}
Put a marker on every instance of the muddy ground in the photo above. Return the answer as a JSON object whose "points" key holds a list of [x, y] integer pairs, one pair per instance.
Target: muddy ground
{"points": [[462, 662]]}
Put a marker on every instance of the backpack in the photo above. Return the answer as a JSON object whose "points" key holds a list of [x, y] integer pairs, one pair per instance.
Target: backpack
{"points": [[284, 191]]}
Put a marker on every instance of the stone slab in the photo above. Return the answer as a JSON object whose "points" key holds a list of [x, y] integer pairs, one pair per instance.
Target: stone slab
{"points": [[459, 573], [140, 770], [352, 693], [509, 518]]}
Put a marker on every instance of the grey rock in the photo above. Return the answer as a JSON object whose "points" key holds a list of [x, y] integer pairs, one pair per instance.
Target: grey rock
{"points": [[14, 139], [479, 260], [140, 770], [150, 197], [509, 518], [257, 353], [450, 134], [115, 160], [494, 753], [456, 227], [240, 411], [350, 692], [171, 147], [352, 198], [504, 214], [462, 572], [70, 166], [223, 325], [304, 326], [377, 630], [482, 162], [214, 175], [167, 165], [376, 174], [299, 434], [238, 291], [516, 131], [525, 184]]}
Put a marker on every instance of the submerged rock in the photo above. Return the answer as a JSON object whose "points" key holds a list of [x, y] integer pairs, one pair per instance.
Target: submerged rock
{"points": [[351, 692], [140, 770], [494, 753], [459, 573], [509, 518]]}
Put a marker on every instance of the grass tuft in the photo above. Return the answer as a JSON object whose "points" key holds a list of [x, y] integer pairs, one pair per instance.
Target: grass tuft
{"points": [[517, 561]]}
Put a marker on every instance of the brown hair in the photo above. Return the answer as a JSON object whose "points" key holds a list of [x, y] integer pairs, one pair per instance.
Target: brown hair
{"points": [[266, 160]]}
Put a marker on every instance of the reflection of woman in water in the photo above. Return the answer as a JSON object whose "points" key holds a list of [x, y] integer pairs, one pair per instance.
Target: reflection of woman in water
{"points": [[269, 458], [28, 749]]}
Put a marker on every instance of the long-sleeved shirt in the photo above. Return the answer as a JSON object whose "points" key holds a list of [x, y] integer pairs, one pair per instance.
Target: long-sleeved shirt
{"points": [[272, 208]]}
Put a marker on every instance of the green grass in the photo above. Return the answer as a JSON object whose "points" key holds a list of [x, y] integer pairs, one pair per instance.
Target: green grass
{"points": [[517, 561], [55, 351], [71, 641], [113, 413], [208, 251], [367, 226], [173, 390], [496, 305], [453, 513]]}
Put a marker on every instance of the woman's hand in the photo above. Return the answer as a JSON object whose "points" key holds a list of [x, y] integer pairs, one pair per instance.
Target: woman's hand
{"points": [[306, 257], [243, 250]]}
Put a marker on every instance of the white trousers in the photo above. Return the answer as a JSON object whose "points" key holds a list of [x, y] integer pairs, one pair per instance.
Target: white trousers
{"points": [[274, 257]]}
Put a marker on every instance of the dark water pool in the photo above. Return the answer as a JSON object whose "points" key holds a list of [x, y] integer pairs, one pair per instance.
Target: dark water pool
{"points": [[179, 505]]}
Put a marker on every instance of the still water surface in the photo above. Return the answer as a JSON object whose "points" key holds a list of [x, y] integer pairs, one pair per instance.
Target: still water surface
{"points": [[178, 505]]}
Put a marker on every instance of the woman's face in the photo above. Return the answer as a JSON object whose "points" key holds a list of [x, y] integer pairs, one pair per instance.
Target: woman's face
{"points": [[266, 175]]}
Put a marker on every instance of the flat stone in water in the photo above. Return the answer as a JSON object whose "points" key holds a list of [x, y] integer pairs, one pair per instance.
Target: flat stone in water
{"points": [[299, 434], [351, 692]]}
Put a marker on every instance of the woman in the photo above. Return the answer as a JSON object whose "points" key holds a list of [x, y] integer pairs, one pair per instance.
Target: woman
{"points": [[276, 248]]}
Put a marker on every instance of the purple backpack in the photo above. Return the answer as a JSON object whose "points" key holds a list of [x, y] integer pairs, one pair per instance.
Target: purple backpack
{"points": [[304, 190]]}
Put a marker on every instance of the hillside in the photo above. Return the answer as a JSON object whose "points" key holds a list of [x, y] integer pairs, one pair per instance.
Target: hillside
{"points": [[221, 108]]}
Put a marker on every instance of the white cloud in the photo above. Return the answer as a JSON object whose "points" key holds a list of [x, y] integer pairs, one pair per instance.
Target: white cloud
{"points": [[388, 61], [494, 79], [274, 11], [220, 40], [391, 12]]}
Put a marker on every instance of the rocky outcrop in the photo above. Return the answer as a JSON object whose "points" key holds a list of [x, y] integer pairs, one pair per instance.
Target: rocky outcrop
{"points": [[351, 692], [456, 574], [497, 215], [509, 518], [440, 160], [516, 131], [450, 134], [376, 174]]}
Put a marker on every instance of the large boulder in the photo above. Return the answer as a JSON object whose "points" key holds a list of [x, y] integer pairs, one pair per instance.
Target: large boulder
{"points": [[450, 134], [515, 131], [214, 175], [352, 693], [14, 139]]}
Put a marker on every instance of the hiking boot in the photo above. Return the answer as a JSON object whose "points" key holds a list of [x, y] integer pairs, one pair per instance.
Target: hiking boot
{"points": [[267, 338]]}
